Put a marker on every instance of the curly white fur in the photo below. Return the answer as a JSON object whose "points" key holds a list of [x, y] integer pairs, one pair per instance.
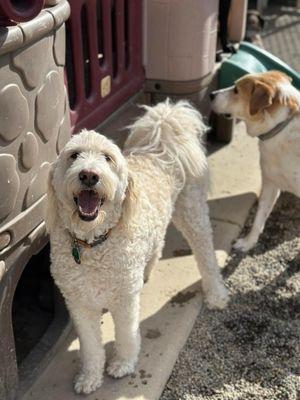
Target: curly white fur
{"points": [[162, 177]]}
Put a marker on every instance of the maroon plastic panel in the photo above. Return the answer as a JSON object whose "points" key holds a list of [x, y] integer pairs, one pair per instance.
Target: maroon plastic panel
{"points": [[104, 58], [12, 11]]}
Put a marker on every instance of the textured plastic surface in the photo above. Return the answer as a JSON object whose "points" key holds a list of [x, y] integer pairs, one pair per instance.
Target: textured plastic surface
{"points": [[19, 11], [251, 59], [34, 111], [34, 125], [180, 39]]}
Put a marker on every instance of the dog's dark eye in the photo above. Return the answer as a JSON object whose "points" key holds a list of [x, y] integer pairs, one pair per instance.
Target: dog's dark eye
{"points": [[235, 90], [74, 156], [107, 158]]}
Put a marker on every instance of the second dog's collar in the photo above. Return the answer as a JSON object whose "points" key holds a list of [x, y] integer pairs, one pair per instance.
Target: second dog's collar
{"points": [[78, 243], [277, 129]]}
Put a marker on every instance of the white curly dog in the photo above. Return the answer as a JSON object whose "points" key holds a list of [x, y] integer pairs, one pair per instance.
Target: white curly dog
{"points": [[107, 217]]}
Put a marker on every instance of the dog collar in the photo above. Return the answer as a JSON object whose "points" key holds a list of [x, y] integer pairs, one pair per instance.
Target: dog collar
{"points": [[78, 243], [277, 129]]}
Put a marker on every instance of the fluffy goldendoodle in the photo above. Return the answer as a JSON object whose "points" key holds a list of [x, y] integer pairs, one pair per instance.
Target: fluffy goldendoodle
{"points": [[107, 216]]}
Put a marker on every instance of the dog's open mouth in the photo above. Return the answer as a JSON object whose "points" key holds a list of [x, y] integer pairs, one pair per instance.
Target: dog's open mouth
{"points": [[88, 203]]}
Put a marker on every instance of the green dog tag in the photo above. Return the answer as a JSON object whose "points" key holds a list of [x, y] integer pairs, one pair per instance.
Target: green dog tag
{"points": [[76, 252]]}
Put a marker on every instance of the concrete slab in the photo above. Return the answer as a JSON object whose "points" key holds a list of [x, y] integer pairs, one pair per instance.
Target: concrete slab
{"points": [[234, 169], [172, 299], [115, 127]]}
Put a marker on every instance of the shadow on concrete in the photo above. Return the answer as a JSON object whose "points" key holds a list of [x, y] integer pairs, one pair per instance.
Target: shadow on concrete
{"points": [[227, 220]]}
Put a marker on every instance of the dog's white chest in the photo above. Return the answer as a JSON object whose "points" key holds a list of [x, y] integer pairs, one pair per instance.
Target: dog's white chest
{"points": [[280, 162], [105, 271]]}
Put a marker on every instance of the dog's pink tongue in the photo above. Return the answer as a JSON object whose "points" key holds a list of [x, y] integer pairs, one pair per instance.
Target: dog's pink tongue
{"points": [[88, 201]]}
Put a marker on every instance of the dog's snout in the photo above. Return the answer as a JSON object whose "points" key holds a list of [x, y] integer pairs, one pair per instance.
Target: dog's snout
{"points": [[88, 177], [212, 95]]}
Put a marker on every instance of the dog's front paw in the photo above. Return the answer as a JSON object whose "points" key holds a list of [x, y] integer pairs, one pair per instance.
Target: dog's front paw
{"points": [[217, 297], [118, 368], [244, 244], [87, 382]]}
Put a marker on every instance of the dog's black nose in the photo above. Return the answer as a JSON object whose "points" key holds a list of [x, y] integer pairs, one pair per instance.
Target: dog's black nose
{"points": [[212, 95], [88, 177]]}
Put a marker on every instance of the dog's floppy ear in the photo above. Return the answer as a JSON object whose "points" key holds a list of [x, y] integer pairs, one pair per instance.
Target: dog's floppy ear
{"points": [[129, 202], [261, 97], [51, 209]]}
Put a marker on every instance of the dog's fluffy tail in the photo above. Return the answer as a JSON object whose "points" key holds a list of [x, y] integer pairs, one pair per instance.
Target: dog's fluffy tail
{"points": [[173, 133]]}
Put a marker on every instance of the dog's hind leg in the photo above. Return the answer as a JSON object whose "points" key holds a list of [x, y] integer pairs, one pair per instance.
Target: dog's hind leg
{"points": [[153, 261], [191, 217], [149, 267], [125, 313], [87, 324]]}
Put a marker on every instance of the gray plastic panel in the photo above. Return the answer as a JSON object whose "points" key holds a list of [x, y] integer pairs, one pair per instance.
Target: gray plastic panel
{"points": [[34, 118], [34, 125]]}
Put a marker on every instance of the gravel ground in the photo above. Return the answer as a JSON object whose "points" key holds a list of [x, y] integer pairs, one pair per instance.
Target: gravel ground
{"points": [[281, 32], [251, 350]]}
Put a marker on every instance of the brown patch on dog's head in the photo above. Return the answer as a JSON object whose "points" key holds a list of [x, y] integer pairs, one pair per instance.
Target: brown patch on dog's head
{"points": [[262, 92]]}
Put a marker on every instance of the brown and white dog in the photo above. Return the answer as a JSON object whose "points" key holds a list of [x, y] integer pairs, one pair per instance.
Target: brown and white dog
{"points": [[269, 104]]}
